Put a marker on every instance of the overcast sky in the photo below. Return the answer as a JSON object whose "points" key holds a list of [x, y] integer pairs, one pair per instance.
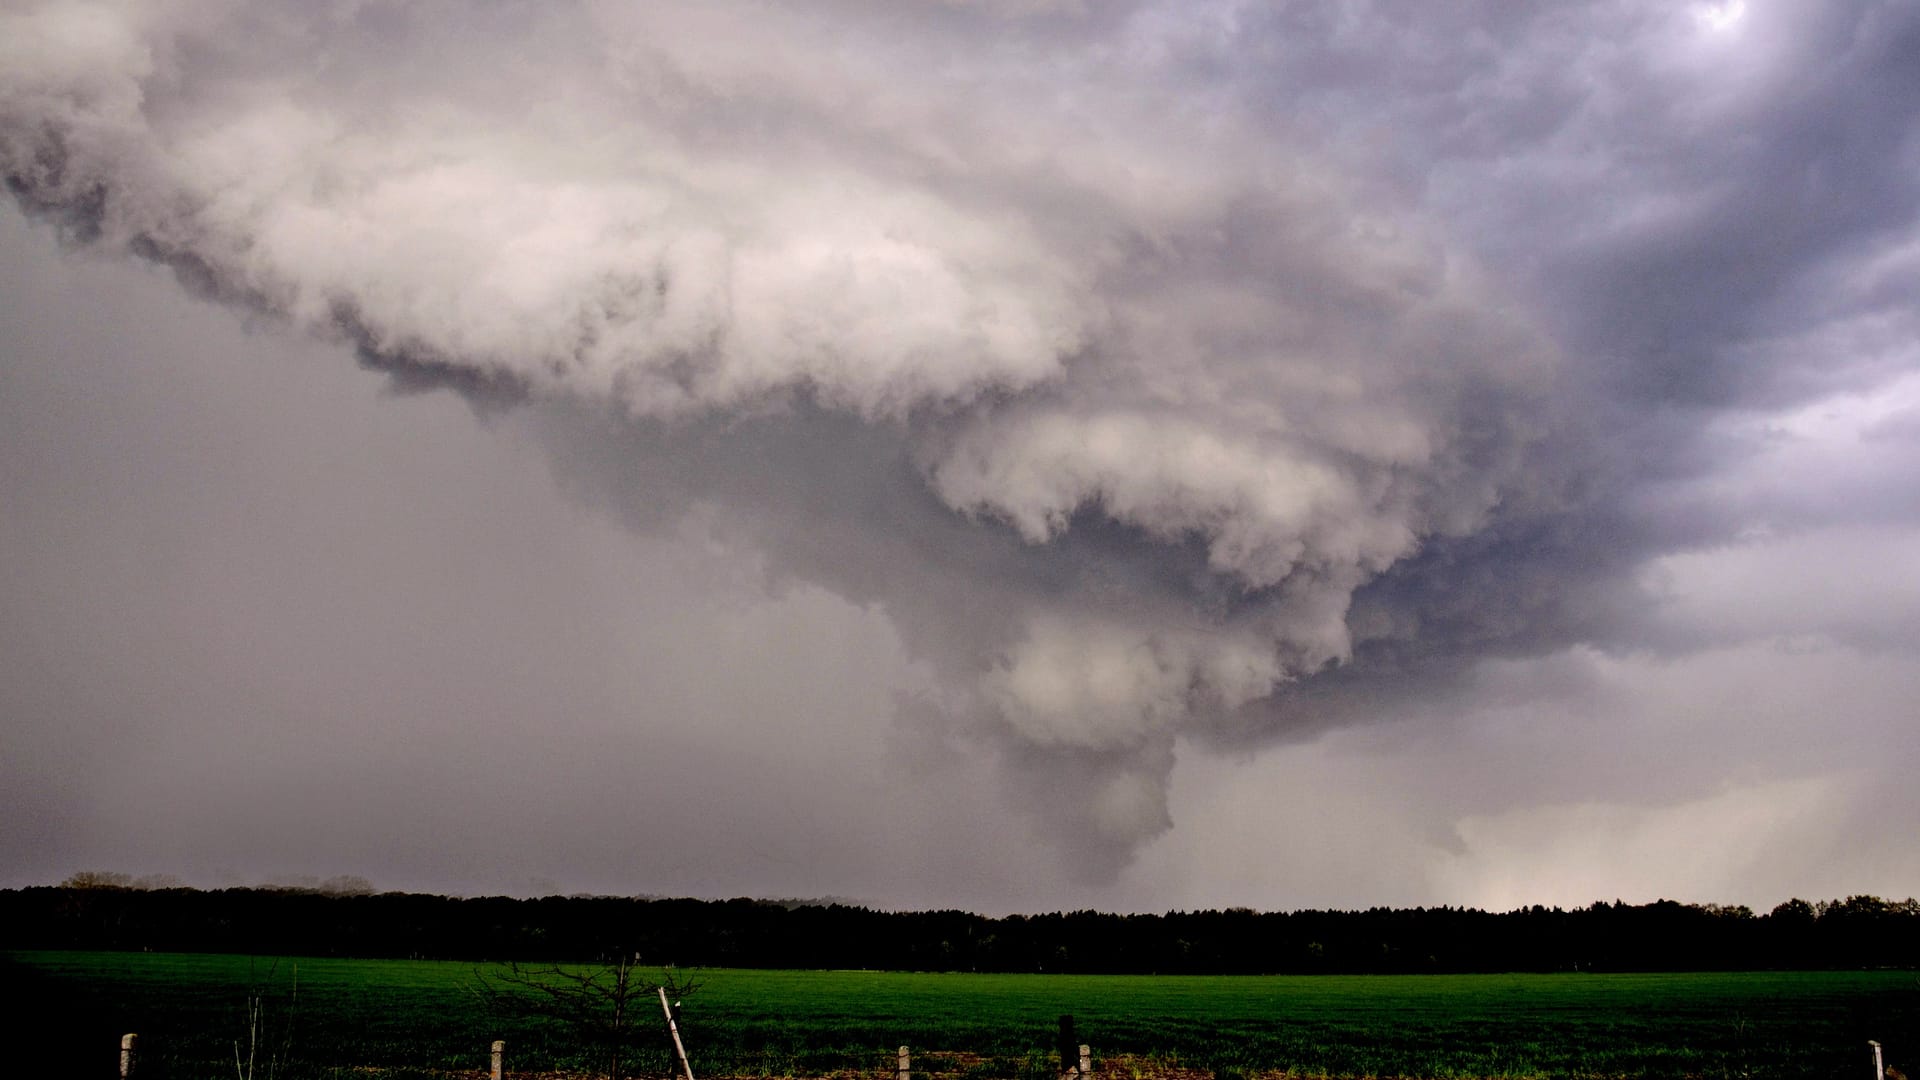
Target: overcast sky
{"points": [[1010, 454]]}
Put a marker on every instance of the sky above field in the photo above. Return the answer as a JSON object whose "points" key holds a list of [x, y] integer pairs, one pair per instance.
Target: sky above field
{"points": [[1010, 455]]}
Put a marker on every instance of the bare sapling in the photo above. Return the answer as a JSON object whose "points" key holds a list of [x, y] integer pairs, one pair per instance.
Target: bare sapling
{"points": [[603, 1005], [256, 1028]]}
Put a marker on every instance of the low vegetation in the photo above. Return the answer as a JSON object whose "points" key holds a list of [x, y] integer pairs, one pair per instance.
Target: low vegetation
{"points": [[413, 1019]]}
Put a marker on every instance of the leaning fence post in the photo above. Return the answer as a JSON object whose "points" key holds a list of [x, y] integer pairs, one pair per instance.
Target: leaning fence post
{"points": [[906, 1065], [129, 1040], [1879, 1067], [1086, 1061], [499, 1059], [673, 1028]]}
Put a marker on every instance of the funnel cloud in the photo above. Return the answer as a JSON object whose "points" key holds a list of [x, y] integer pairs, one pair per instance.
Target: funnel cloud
{"points": [[1185, 419]]}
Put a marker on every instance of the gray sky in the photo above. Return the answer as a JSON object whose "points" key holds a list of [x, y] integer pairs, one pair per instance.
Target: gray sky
{"points": [[1008, 455]]}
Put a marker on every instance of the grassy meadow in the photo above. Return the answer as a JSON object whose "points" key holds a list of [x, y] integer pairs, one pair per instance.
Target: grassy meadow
{"points": [[338, 1018]]}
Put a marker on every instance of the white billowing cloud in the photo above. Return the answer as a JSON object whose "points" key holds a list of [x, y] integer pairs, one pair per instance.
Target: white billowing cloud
{"points": [[1262, 510], [1074, 301], [1137, 364], [1102, 686], [603, 257]]}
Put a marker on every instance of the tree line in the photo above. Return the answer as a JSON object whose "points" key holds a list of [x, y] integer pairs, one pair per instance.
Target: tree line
{"points": [[1860, 931]]}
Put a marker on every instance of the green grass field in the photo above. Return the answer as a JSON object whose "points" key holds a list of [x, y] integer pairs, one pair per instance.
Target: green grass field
{"points": [[416, 1018]]}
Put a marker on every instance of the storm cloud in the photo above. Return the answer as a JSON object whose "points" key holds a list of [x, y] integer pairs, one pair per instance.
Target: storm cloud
{"points": [[1146, 386]]}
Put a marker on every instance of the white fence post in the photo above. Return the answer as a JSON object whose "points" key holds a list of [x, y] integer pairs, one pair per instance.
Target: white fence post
{"points": [[499, 1059], [127, 1044], [673, 1028], [1086, 1061], [906, 1065], [1879, 1066]]}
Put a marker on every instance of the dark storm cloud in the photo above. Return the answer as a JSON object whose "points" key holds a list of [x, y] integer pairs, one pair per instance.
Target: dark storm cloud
{"points": [[1680, 184], [1219, 372]]}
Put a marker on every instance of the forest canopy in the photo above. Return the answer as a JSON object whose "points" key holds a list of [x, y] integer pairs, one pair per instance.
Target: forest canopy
{"points": [[314, 918]]}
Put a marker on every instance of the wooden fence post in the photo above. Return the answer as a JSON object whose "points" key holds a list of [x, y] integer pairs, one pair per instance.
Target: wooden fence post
{"points": [[499, 1059], [1086, 1061], [127, 1044], [673, 1028], [1879, 1066], [906, 1065], [1067, 1044]]}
